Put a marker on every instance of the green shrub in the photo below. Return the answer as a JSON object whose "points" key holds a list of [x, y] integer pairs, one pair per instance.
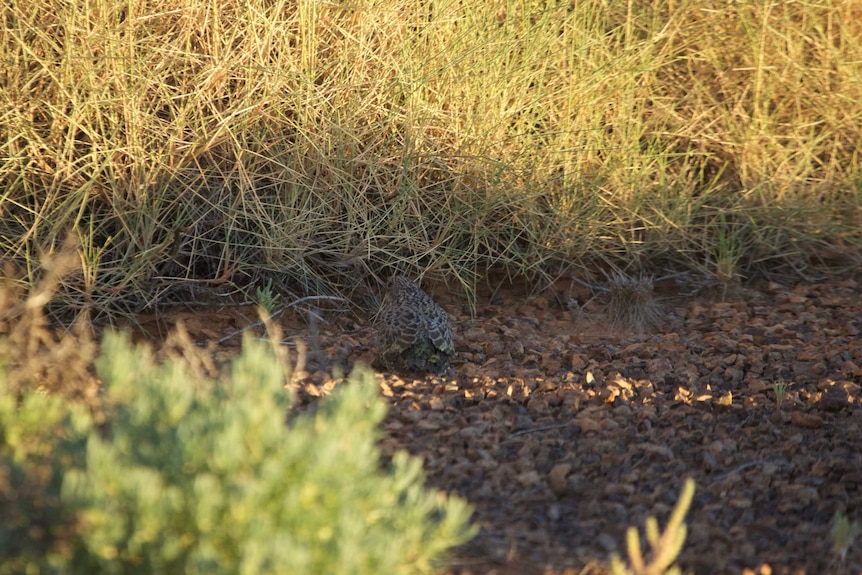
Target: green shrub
{"points": [[197, 476], [39, 435]]}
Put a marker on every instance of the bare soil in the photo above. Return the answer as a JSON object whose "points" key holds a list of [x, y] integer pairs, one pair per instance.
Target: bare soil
{"points": [[562, 431]]}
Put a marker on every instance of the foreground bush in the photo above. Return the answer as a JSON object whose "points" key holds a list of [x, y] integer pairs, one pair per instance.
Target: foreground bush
{"points": [[38, 437], [196, 476]]}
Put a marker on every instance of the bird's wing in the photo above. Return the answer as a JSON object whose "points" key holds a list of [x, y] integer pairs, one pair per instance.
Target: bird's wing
{"points": [[398, 328], [439, 332]]}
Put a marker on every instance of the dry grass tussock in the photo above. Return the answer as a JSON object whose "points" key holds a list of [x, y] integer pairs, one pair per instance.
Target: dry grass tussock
{"points": [[632, 303], [198, 149], [35, 356]]}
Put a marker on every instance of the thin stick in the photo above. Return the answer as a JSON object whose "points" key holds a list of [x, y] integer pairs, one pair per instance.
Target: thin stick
{"points": [[279, 312]]}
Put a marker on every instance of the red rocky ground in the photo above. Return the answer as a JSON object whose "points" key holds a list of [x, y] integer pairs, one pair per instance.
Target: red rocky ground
{"points": [[562, 432]]}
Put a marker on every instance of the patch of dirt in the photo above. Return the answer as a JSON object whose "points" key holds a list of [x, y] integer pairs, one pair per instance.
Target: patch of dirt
{"points": [[562, 432]]}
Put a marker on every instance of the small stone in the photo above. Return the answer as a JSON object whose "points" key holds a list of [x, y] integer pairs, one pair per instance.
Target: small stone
{"points": [[558, 477], [806, 420]]}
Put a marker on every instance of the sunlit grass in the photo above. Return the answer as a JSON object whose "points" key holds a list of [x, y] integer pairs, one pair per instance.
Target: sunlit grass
{"points": [[198, 147]]}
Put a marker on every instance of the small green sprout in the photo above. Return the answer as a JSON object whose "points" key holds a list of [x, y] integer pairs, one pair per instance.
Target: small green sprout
{"points": [[779, 388], [843, 533], [266, 298]]}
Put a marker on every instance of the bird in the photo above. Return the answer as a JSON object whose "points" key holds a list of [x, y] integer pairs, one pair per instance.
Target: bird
{"points": [[413, 332]]}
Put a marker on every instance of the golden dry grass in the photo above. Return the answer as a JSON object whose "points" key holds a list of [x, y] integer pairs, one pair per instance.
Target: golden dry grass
{"points": [[197, 147]]}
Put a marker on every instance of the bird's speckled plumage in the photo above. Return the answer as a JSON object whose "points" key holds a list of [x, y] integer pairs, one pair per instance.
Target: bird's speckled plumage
{"points": [[412, 331]]}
